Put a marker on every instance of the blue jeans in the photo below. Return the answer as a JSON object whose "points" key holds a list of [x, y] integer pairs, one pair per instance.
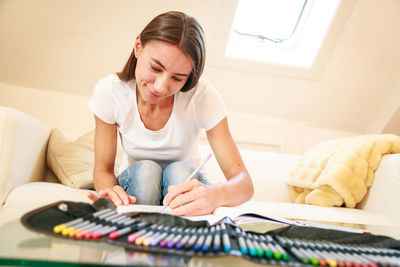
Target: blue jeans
{"points": [[148, 182]]}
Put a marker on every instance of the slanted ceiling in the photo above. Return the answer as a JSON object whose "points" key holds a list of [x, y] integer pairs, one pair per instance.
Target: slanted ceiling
{"points": [[67, 45]]}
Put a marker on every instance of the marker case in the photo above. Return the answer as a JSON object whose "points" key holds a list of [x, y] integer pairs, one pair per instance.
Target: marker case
{"points": [[44, 220]]}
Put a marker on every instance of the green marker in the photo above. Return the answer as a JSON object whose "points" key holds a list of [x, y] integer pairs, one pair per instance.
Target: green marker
{"points": [[256, 242]]}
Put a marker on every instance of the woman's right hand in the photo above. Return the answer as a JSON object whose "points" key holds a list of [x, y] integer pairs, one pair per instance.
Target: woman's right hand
{"points": [[115, 194]]}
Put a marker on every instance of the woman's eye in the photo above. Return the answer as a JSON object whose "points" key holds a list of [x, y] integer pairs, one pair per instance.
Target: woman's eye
{"points": [[155, 69], [177, 79]]}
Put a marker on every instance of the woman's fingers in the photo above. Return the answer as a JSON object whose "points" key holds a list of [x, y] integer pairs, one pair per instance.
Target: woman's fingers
{"points": [[122, 195], [193, 208], [198, 201], [116, 195], [132, 199], [182, 199], [92, 196], [175, 190]]}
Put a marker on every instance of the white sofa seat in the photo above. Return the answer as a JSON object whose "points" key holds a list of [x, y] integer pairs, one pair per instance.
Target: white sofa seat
{"points": [[28, 138]]}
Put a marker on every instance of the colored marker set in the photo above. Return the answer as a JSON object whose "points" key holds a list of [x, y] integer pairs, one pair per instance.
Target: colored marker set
{"points": [[142, 232], [163, 233], [324, 253]]}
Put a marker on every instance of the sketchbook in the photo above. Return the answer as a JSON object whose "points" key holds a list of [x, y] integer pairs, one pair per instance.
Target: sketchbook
{"points": [[236, 214], [239, 215]]}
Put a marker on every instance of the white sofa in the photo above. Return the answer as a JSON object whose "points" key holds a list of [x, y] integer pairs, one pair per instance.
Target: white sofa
{"points": [[26, 182]]}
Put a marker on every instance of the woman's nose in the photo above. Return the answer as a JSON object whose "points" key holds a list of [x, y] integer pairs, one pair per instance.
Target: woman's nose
{"points": [[161, 84]]}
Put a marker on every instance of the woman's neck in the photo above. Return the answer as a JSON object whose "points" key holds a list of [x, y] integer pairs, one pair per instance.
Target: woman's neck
{"points": [[154, 116]]}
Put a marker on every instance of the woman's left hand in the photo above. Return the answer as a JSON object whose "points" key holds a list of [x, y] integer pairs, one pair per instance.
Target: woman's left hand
{"points": [[192, 198]]}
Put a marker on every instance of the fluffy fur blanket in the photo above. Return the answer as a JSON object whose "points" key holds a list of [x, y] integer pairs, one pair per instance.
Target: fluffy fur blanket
{"points": [[340, 171]]}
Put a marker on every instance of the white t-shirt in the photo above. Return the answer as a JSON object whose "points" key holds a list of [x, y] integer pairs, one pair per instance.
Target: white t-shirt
{"points": [[114, 102]]}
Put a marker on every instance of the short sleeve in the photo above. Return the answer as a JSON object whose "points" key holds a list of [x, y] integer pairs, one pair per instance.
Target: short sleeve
{"points": [[209, 107], [102, 102]]}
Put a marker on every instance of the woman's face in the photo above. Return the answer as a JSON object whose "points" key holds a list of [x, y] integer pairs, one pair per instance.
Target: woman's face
{"points": [[162, 69]]}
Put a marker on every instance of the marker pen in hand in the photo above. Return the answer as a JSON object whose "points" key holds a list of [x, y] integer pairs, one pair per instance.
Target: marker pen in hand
{"points": [[192, 175]]}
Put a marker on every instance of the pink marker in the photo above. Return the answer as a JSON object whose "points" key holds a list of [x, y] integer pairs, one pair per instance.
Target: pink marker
{"points": [[132, 237]]}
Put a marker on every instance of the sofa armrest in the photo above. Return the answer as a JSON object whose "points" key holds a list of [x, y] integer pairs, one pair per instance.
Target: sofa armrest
{"points": [[23, 143], [383, 196]]}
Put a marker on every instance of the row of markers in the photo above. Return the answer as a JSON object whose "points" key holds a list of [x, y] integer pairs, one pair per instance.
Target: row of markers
{"points": [[199, 239], [218, 239], [324, 253]]}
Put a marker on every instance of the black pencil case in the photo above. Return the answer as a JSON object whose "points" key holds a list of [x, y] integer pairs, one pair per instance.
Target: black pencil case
{"points": [[44, 220]]}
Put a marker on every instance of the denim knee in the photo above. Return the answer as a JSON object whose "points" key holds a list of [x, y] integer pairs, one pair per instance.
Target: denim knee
{"points": [[143, 180], [177, 173]]}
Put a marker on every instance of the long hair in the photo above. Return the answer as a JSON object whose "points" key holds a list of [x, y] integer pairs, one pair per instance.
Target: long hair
{"points": [[179, 29]]}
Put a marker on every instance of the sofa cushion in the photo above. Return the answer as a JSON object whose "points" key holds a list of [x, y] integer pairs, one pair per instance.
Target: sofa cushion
{"points": [[27, 197], [23, 142], [72, 161]]}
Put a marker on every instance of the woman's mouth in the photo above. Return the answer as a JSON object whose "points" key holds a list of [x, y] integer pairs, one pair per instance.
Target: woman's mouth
{"points": [[153, 95]]}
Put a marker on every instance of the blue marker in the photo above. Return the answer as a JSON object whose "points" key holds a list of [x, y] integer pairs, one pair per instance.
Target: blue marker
{"points": [[209, 238], [250, 245], [217, 239], [242, 244], [193, 238], [225, 238], [200, 240]]}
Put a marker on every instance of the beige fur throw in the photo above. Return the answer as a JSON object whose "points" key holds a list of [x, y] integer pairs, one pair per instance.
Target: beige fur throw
{"points": [[340, 171]]}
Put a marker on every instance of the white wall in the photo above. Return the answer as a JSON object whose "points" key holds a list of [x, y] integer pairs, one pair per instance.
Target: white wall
{"points": [[59, 49], [68, 45], [71, 114]]}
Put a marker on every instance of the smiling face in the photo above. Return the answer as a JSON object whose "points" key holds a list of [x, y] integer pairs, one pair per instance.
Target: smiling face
{"points": [[162, 69]]}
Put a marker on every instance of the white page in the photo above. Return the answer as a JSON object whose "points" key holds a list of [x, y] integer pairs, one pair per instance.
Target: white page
{"points": [[241, 215], [135, 208], [232, 212]]}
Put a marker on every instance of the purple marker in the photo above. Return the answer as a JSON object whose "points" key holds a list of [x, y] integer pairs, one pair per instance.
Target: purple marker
{"points": [[184, 239], [164, 242], [172, 243], [154, 242]]}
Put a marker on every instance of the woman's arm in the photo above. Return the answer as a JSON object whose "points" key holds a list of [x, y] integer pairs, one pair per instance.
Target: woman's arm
{"points": [[203, 199], [239, 187], [105, 150]]}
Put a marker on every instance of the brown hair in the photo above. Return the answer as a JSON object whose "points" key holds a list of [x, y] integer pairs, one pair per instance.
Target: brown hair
{"points": [[179, 29]]}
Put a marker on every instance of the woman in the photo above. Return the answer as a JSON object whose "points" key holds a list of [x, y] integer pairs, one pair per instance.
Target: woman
{"points": [[159, 105]]}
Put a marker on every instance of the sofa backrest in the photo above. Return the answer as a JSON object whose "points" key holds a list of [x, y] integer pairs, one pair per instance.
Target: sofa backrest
{"points": [[23, 143], [268, 171]]}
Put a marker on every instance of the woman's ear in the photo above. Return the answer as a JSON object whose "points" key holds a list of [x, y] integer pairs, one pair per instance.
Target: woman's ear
{"points": [[138, 46]]}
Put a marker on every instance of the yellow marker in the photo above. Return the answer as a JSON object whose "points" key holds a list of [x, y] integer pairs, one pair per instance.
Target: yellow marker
{"points": [[73, 233], [331, 262], [146, 242], [67, 230], [139, 241], [58, 228]]}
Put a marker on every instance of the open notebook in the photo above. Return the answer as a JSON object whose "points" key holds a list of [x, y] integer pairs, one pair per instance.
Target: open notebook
{"points": [[239, 215]]}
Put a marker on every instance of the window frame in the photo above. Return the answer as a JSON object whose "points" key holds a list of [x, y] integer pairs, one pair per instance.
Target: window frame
{"points": [[218, 44]]}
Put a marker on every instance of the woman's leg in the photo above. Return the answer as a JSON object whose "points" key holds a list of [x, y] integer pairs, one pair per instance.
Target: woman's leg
{"points": [[177, 173], [143, 180]]}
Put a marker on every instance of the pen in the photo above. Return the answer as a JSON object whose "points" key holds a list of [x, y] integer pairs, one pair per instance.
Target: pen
{"points": [[192, 175]]}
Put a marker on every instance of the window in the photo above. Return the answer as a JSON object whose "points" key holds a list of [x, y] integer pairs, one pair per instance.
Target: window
{"points": [[285, 32]]}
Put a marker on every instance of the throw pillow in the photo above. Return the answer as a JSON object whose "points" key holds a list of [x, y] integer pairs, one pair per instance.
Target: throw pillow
{"points": [[71, 161]]}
